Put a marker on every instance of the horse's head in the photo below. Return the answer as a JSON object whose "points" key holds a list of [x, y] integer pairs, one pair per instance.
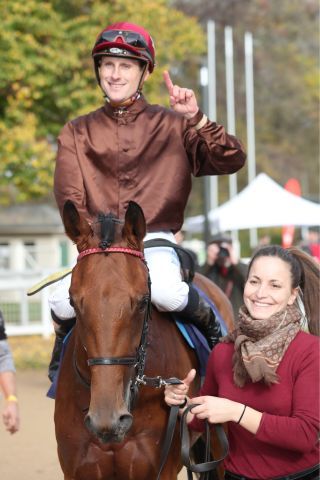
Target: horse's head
{"points": [[110, 293]]}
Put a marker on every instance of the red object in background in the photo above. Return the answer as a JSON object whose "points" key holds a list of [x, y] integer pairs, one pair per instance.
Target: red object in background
{"points": [[292, 186]]}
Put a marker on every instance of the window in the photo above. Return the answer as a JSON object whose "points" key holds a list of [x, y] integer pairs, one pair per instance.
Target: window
{"points": [[4, 256], [64, 254], [31, 257]]}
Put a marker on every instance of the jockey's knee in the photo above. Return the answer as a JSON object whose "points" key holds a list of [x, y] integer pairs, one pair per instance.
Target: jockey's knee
{"points": [[168, 297], [59, 303], [61, 308]]}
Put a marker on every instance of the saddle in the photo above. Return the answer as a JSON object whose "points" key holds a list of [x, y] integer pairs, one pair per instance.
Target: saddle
{"points": [[185, 256]]}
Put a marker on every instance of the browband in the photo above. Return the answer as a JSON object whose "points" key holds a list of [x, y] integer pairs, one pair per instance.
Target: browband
{"points": [[130, 251]]}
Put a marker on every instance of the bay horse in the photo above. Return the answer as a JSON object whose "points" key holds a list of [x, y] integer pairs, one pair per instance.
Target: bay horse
{"points": [[108, 423]]}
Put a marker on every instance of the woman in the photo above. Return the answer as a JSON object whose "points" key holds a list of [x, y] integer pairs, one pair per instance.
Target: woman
{"points": [[264, 381]]}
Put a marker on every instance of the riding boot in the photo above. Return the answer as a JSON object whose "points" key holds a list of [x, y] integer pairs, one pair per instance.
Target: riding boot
{"points": [[61, 330], [199, 312]]}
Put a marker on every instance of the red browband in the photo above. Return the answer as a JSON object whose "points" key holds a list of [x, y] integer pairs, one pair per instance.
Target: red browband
{"points": [[129, 251]]}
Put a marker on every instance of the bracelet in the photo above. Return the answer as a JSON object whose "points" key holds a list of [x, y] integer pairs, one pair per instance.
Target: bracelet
{"points": [[244, 409], [183, 404], [202, 122], [12, 398]]}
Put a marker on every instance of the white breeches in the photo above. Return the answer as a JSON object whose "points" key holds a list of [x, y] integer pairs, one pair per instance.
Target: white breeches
{"points": [[168, 291]]}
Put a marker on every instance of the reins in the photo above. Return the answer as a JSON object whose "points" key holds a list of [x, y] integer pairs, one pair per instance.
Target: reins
{"points": [[205, 467], [201, 468]]}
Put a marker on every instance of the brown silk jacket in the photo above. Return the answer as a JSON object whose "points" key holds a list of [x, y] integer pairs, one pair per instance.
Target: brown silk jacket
{"points": [[146, 154]]}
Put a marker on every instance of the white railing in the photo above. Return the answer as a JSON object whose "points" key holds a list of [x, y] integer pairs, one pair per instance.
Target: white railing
{"points": [[25, 315]]}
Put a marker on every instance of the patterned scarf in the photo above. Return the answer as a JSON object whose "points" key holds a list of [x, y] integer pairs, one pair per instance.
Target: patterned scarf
{"points": [[261, 344]]}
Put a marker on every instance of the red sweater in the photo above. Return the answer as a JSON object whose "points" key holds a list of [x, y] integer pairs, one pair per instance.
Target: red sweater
{"points": [[287, 439]]}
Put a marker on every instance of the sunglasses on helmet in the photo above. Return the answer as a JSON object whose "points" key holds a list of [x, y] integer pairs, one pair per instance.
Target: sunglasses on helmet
{"points": [[130, 38]]}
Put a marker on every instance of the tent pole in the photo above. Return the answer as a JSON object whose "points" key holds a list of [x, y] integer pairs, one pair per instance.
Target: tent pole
{"points": [[231, 118], [248, 49]]}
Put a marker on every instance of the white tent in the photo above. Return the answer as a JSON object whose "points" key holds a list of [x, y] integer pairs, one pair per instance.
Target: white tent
{"points": [[263, 203]]}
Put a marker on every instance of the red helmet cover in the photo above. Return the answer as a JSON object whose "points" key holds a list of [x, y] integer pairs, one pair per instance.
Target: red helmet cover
{"points": [[146, 54]]}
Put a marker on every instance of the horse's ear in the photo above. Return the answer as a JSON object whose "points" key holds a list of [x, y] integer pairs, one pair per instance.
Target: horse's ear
{"points": [[75, 226], [134, 229]]}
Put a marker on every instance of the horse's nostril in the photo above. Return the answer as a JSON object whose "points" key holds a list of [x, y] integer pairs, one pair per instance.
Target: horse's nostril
{"points": [[125, 421], [87, 421]]}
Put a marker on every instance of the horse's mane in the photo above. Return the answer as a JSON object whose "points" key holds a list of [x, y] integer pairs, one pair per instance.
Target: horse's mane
{"points": [[107, 222]]}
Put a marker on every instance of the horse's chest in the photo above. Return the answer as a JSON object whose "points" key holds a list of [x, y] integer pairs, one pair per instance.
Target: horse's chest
{"points": [[131, 460]]}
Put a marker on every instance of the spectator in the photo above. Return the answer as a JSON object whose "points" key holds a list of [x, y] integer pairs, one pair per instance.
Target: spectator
{"points": [[311, 244], [10, 413], [225, 269]]}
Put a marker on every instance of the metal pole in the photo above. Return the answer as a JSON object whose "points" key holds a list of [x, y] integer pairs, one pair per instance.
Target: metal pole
{"points": [[212, 101], [248, 48], [206, 179], [231, 122]]}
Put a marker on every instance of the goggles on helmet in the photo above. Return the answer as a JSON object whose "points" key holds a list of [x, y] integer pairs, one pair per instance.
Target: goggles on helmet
{"points": [[127, 39], [131, 38]]}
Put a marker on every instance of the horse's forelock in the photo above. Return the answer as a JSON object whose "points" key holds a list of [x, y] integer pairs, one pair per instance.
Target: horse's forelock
{"points": [[107, 228]]}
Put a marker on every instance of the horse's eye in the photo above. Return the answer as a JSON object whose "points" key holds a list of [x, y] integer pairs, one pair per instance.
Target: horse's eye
{"points": [[143, 303]]}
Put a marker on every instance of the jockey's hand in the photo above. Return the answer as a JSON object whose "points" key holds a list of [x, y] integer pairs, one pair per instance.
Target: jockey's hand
{"points": [[176, 394], [182, 100]]}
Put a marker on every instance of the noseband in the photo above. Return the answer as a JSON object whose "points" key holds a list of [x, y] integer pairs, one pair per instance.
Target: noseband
{"points": [[140, 359]]}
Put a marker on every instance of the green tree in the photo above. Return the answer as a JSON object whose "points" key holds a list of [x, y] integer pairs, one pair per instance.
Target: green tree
{"points": [[47, 76]]}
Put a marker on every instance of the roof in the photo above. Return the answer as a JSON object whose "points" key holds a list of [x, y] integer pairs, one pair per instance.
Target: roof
{"points": [[263, 203], [26, 219]]}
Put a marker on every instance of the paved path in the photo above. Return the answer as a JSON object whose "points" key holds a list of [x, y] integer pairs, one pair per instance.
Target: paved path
{"points": [[31, 453]]}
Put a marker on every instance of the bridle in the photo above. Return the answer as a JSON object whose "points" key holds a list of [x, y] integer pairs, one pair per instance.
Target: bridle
{"points": [[139, 360]]}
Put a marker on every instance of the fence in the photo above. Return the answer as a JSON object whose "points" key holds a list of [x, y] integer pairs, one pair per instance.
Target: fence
{"points": [[25, 315]]}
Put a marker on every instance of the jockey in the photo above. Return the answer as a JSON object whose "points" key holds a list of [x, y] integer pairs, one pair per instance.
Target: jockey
{"points": [[131, 150]]}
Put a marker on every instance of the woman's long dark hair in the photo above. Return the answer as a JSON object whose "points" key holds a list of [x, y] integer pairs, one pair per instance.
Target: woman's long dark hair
{"points": [[305, 273]]}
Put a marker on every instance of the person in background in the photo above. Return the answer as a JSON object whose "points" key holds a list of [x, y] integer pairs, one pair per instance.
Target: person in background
{"points": [[263, 241], [311, 244], [131, 150], [225, 269], [264, 380], [10, 412]]}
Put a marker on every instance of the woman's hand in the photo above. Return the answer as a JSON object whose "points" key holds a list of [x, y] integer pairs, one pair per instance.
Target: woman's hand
{"points": [[182, 100], [176, 394], [216, 410]]}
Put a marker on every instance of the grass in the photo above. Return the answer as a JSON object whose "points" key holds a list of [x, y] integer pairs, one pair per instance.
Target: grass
{"points": [[31, 352]]}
